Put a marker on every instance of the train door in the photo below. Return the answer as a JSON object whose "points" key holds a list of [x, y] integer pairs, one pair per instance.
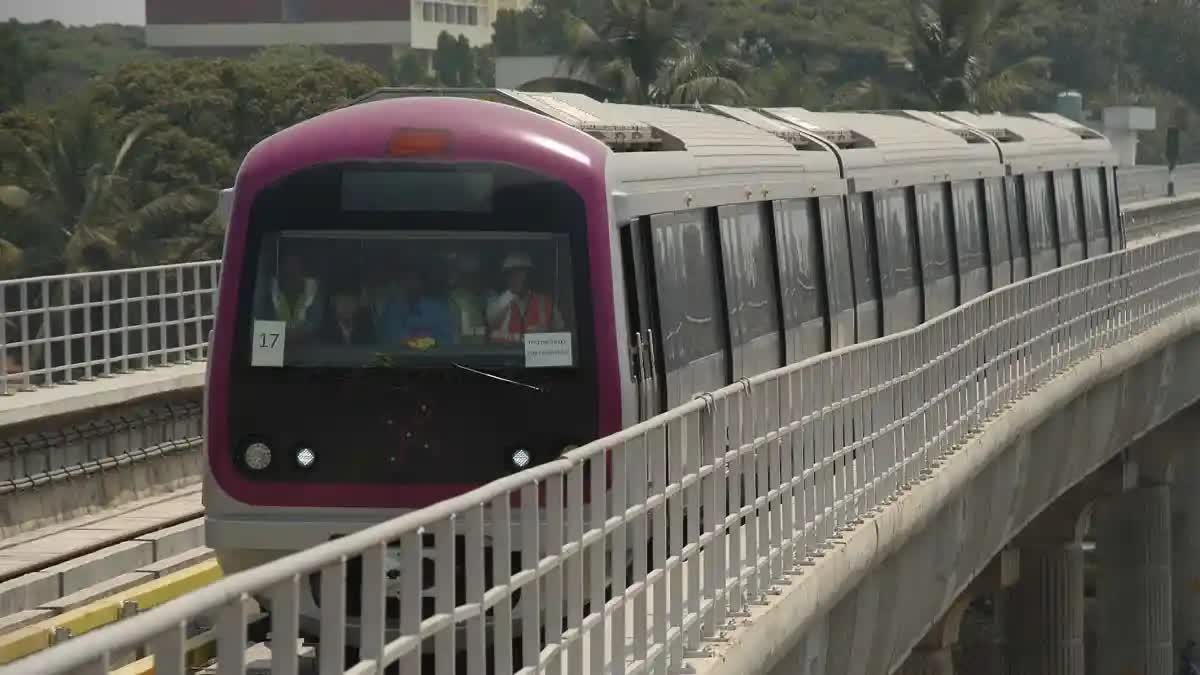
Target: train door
{"points": [[645, 362]]}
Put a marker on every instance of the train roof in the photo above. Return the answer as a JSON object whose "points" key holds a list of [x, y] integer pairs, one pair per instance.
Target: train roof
{"points": [[670, 158], [886, 149], [666, 159], [1040, 141]]}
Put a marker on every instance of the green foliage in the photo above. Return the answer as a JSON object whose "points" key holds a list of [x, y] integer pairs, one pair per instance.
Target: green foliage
{"points": [[17, 65], [454, 61], [641, 51], [537, 31], [127, 173]]}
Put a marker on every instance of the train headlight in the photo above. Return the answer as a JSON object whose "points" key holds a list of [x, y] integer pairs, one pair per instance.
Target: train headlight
{"points": [[257, 456], [521, 458], [305, 458]]}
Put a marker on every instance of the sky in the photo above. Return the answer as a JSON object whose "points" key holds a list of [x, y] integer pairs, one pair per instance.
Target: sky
{"points": [[75, 12]]}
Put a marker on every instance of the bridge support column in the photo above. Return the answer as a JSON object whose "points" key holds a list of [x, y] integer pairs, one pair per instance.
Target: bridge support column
{"points": [[1046, 609], [1185, 536], [1044, 612], [1133, 551]]}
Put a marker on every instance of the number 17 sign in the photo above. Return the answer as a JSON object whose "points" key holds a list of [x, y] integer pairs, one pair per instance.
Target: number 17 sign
{"points": [[269, 339]]}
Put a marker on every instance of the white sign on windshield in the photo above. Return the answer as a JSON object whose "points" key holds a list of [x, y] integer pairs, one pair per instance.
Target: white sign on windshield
{"points": [[547, 350], [269, 340]]}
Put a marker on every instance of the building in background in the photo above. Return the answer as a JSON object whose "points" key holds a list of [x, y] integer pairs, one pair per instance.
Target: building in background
{"points": [[370, 31]]}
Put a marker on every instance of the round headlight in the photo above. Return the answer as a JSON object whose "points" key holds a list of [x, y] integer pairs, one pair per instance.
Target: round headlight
{"points": [[520, 458], [305, 458], [257, 456]]}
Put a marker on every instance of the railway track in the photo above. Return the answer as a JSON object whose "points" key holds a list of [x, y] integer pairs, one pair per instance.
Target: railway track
{"points": [[62, 581]]}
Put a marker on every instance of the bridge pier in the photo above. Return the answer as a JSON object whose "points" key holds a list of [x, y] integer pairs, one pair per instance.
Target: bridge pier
{"points": [[1185, 539], [1046, 621], [1045, 617], [1133, 552]]}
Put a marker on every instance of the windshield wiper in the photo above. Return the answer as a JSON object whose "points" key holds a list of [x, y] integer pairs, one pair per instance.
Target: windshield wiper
{"points": [[495, 377]]}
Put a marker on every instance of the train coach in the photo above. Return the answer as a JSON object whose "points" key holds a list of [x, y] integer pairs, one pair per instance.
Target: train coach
{"points": [[425, 291]]}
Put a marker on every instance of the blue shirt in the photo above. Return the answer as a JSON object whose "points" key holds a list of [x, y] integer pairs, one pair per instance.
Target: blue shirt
{"points": [[399, 321]]}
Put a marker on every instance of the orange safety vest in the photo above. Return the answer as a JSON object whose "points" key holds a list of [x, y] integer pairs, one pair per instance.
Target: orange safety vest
{"points": [[537, 319]]}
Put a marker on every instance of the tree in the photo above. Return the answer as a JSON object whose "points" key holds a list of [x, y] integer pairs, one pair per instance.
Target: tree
{"points": [[540, 30], [83, 201], [951, 51], [454, 62], [641, 53], [17, 65], [411, 69]]}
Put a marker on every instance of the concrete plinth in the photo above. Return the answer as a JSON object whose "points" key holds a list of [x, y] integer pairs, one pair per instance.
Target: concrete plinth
{"points": [[928, 661], [1045, 610], [1133, 552]]}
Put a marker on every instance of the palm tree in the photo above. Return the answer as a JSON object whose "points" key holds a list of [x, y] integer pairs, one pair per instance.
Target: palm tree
{"points": [[86, 208], [951, 52], [641, 54]]}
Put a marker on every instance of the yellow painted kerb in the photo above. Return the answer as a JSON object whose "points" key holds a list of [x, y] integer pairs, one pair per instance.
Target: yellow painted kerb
{"points": [[23, 642]]}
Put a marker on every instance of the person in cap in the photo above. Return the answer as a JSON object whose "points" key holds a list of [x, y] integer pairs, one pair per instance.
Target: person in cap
{"points": [[519, 309]]}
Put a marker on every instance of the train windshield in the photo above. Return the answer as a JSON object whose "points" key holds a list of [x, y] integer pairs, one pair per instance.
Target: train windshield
{"points": [[400, 298]]}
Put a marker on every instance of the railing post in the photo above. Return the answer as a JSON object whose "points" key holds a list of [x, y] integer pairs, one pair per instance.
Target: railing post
{"points": [[164, 346], [145, 298], [87, 328], [106, 299], [68, 370], [181, 320]]}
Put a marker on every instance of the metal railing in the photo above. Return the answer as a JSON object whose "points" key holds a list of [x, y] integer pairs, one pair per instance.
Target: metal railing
{"points": [[76, 327], [733, 492], [1139, 183]]}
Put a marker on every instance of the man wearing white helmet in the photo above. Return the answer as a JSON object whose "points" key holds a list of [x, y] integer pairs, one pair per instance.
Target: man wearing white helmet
{"points": [[519, 309]]}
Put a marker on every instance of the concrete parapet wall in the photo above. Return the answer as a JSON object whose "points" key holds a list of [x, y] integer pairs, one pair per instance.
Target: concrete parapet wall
{"points": [[868, 601], [61, 467]]}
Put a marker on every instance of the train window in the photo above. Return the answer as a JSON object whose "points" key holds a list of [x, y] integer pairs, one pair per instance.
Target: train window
{"points": [[860, 224], [801, 273], [938, 262], [968, 225], [862, 248], [750, 280], [838, 271], [894, 229], [1093, 211], [969, 239], [689, 295], [349, 298], [1040, 221], [1114, 208], [998, 234], [1018, 230], [1070, 225]]}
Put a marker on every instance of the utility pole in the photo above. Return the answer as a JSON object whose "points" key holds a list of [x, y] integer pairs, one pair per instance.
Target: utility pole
{"points": [[1172, 157]]}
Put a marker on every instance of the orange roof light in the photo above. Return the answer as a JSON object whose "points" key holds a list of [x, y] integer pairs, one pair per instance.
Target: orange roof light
{"points": [[417, 142]]}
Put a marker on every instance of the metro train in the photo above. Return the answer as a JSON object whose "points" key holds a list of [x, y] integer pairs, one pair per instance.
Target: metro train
{"points": [[426, 290]]}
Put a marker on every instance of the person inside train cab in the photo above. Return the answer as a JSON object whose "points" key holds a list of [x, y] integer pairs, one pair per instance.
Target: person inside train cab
{"points": [[349, 321], [408, 314], [296, 297], [466, 299], [519, 309]]}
